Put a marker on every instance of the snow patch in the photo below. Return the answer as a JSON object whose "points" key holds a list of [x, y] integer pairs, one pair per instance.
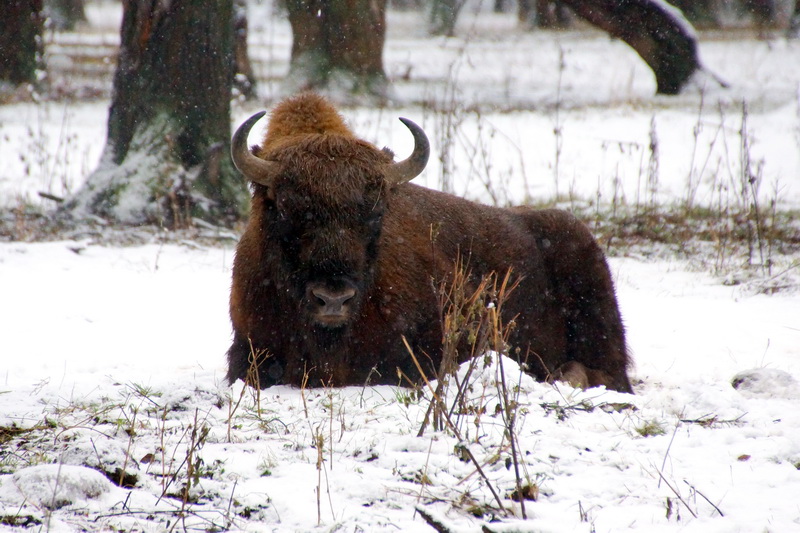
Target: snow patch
{"points": [[767, 382], [100, 453], [55, 486]]}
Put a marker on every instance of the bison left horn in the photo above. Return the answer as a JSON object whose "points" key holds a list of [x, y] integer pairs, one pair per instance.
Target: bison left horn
{"points": [[253, 168], [408, 169]]}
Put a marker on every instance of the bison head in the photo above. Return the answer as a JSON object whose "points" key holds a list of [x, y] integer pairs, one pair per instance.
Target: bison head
{"points": [[321, 194]]}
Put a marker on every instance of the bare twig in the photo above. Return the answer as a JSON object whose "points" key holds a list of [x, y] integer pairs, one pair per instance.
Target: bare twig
{"points": [[423, 481], [704, 497], [509, 416], [669, 446], [676, 493], [319, 442]]}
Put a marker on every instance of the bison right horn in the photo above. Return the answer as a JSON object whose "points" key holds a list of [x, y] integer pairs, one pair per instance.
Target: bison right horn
{"points": [[253, 168], [408, 169]]}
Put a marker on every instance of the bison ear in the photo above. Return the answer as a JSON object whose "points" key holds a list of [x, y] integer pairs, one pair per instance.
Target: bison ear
{"points": [[408, 169], [252, 167]]}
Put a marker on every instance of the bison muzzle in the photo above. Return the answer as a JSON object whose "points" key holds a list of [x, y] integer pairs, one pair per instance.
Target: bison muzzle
{"points": [[342, 259]]}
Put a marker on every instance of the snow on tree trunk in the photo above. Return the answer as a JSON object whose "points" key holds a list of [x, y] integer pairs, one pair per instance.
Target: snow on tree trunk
{"points": [[166, 155], [20, 40], [337, 49], [657, 31]]}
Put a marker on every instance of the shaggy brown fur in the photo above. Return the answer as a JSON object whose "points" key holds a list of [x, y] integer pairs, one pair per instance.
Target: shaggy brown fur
{"points": [[331, 228]]}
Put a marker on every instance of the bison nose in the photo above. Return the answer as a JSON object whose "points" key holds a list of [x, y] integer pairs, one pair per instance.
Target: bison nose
{"points": [[332, 302]]}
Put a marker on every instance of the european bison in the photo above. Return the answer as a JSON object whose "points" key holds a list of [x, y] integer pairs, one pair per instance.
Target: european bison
{"points": [[342, 257]]}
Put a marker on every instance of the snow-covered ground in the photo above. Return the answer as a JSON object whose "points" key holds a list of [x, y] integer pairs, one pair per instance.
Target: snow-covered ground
{"points": [[117, 354], [112, 358]]}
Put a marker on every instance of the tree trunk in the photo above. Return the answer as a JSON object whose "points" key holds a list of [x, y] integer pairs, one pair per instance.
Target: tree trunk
{"points": [[551, 14], [701, 13], [244, 80], [20, 41], [658, 33], [406, 5], [64, 15], [526, 14], [166, 155], [764, 12], [794, 23], [337, 48], [443, 16]]}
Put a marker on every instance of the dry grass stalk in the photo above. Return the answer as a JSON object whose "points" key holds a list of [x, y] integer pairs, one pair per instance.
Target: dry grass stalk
{"points": [[465, 449], [471, 318]]}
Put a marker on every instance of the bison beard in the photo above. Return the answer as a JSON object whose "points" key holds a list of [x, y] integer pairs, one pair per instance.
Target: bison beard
{"points": [[341, 259]]}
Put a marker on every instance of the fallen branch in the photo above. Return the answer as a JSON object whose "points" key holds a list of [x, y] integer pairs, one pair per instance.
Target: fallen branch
{"points": [[48, 196], [712, 420]]}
